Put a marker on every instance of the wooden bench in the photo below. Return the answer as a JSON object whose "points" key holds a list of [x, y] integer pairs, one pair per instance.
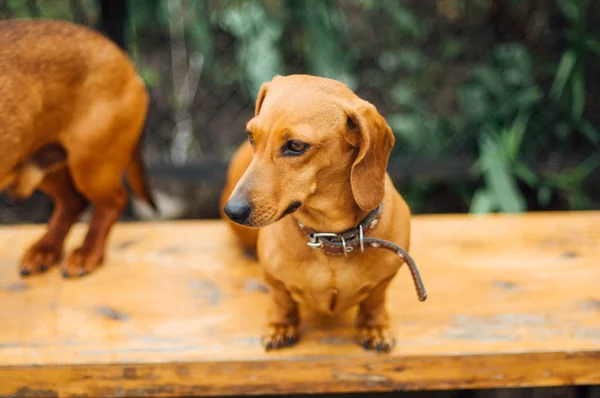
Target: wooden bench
{"points": [[178, 310]]}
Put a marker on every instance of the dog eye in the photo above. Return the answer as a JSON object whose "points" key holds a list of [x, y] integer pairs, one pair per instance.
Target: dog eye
{"points": [[294, 148], [250, 138]]}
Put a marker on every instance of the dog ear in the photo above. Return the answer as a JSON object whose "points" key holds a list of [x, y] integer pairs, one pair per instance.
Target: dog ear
{"points": [[262, 93], [368, 130]]}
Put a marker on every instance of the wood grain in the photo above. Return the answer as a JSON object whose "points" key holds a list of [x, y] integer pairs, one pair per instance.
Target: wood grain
{"points": [[178, 310]]}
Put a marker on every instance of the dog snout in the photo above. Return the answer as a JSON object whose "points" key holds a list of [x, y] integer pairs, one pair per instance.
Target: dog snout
{"points": [[238, 210]]}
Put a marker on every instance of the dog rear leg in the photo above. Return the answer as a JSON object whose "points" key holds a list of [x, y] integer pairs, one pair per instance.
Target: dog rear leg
{"points": [[101, 183], [68, 206], [102, 144]]}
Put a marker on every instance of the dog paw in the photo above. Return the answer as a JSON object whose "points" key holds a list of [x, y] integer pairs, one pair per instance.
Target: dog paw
{"points": [[38, 259], [378, 338], [80, 262], [280, 336]]}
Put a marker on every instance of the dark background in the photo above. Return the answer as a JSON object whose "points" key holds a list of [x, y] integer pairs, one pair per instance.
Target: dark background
{"points": [[495, 103]]}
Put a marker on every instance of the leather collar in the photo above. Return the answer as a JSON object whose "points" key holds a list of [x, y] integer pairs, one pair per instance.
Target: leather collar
{"points": [[345, 242], [356, 239]]}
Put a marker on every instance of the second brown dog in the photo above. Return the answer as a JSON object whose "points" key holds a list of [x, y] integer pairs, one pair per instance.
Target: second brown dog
{"points": [[72, 109]]}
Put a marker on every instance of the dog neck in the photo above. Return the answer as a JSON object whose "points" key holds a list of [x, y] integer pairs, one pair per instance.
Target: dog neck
{"points": [[332, 209]]}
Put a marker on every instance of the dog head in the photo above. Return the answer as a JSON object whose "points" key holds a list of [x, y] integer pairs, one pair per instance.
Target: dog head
{"points": [[309, 135]]}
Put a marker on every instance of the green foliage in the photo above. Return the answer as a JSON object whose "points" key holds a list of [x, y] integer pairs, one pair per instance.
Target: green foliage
{"points": [[446, 88], [513, 119], [417, 127], [500, 169], [568, 89], [497, 101], [60, 9], [199, 30], [407, 23], [257, 37], [324, 25]]}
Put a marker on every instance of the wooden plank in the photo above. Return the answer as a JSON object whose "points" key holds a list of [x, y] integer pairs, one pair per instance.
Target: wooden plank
{"points": [[514, 301]]}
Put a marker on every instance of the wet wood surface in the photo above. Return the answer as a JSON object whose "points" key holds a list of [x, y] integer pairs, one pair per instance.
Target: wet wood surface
{"points": [[178, 310]]}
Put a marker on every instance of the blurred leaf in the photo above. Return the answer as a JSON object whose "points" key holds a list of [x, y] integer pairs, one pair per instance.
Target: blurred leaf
{"points": [[150, 76], [405, 19], [579, 201], [482, 202], [148, 14], [473, 102], [258, 37], [585, 168], [241, 21], [528, 97], [52, 10], [589, 131], [404, 96], [563, 130], [570, 9], [389, 61], [200, 32], [514, 60], [407, 127], [457, 124], [594, 46], [491, 80], [411, 59], [563, 72], [324, 49], [374, 78], [418, 132], [499, 181], [261, 57], [452, 49], [367, 4], [526, 175], [578, 94], [514, 136], [544, 195], [569, 183]]}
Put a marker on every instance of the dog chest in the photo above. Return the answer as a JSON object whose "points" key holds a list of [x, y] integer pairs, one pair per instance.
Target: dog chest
{"points": [[334, 284]]}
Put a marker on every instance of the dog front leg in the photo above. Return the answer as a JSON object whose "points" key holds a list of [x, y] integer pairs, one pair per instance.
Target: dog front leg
{"points": [[373, 321], [283, 318]]}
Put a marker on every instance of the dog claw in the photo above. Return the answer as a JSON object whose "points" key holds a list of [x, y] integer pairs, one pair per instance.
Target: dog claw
{"points": [[280, 336], [38, 259], [379, 339], [290, 340], [383, 347], [80, 262]]}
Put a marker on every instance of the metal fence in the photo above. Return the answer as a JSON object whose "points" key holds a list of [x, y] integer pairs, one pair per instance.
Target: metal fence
{"points": [[487, 112]]}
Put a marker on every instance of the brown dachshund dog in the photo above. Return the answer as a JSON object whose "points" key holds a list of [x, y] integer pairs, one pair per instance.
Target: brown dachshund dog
{"points": [[72, 109], [312, 177]]}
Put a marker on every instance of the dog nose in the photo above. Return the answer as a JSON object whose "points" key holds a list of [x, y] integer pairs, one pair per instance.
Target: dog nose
{"points": [[238, 210]]}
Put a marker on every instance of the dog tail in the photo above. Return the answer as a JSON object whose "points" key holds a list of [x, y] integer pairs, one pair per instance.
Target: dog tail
{"points": [[137, 178]]}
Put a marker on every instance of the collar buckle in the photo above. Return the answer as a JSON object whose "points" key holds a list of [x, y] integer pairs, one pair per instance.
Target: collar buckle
{"points": [[315, 239], [347, 239]]}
